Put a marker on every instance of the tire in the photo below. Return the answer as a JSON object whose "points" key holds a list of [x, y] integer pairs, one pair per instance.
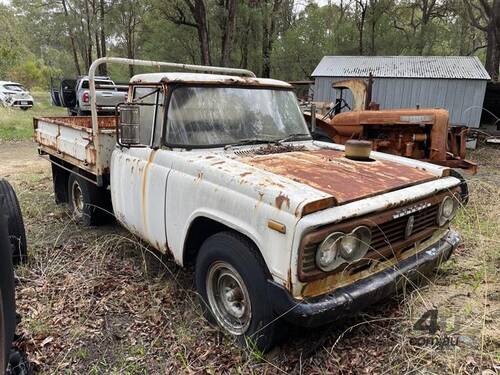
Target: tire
{"points": [[86, 201], [24, 108], [320, 135], [17, 233], [230, 261], [464, 188], [7, 295], [81, 112]]}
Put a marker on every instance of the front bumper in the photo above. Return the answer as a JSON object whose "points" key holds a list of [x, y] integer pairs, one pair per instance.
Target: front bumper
{"points": [[347, 300], [22, 103]]}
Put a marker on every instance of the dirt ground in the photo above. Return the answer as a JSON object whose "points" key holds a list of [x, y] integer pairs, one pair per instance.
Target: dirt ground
{"points": [[20, 158], [97, 300]]}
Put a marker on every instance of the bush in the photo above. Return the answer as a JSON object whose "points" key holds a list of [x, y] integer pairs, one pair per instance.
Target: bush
{"points": [[32, 73]]}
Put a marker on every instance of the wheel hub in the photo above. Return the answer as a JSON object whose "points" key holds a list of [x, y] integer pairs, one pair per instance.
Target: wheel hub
{"points": [[77, 194], [228, 298]]}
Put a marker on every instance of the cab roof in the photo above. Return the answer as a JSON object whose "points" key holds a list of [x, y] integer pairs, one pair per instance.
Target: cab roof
{"points": [[150, 78]]}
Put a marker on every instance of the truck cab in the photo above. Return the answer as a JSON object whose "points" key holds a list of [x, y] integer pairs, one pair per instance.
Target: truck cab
{"points": [[221, 172]]}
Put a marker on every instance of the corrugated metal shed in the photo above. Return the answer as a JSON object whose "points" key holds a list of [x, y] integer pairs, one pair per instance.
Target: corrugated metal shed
{"points": [[446, 67], [456, 83]]}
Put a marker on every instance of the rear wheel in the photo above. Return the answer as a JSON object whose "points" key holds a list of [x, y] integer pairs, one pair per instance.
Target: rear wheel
{"points": [[17, 233], [231, 279], [86, 201], [81, 112]]}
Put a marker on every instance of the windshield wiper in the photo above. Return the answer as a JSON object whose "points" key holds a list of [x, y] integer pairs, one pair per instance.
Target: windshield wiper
{"points": [[293, 137], [251, 141]]}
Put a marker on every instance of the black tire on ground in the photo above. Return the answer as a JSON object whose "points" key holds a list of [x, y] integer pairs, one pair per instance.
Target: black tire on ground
{"points": [[25, 108], [60, 183], [7, 295], [86, 201], [464, 188], [17, 233], [263, 330], [320, 135], [81, 112]]}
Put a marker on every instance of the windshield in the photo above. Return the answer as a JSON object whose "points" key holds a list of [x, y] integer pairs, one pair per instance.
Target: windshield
{"points": [[15, 88], [217, 116]]}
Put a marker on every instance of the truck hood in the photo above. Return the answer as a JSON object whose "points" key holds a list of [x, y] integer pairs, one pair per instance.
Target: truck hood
{"points": [[344, 179], [304, 179]]}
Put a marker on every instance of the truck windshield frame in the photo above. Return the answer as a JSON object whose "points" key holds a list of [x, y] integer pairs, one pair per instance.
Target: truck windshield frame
{"points": [[258, 95]]}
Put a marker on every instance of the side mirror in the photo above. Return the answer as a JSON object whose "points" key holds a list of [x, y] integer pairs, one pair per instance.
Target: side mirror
{"points": [[129, 125]]}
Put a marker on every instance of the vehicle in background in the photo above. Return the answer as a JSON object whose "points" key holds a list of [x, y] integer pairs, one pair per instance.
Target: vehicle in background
{"points": [[75, 95], [279, 227], [13, 94]]}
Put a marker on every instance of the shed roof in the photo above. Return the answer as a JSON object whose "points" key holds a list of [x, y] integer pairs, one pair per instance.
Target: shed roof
{"points": [[446, 67]]}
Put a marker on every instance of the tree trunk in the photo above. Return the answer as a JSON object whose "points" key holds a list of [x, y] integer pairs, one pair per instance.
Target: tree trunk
{"points": [[490, 52], [496, 22], [130, 49], [97, 45], [72, 39], [245, 42], [361, 24], [372, 38], [269, 22], [103, 68], [228, 32], [200, 15]]}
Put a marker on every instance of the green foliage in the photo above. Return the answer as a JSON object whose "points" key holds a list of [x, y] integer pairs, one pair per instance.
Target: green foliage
{"points": [[32, 73], [35, 36]]}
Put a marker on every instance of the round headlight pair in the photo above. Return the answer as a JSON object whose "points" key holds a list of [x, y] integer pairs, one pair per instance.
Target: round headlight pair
{"points": [[447, 210], [339, 248]]}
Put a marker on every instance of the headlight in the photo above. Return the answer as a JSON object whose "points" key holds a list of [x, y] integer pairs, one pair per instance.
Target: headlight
{"points": [[340, 248], [447, 210], [355, 245], [327, 255]]}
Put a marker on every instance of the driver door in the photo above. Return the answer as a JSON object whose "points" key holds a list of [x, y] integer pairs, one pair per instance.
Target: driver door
{"points": [[138, 182]]}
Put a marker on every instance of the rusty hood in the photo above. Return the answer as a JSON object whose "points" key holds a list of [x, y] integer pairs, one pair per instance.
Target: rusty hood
{"points": [[330, 172]]}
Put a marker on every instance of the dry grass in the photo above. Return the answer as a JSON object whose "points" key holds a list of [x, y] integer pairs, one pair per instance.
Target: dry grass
{"points": [[96, 301]]}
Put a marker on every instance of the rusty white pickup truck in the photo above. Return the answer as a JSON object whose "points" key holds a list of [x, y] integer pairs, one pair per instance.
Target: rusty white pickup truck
{"points": [[221, 172]]}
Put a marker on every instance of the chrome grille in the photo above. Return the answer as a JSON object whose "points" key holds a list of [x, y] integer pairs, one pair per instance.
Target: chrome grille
{"points": [[385, 235], [392, 232]]}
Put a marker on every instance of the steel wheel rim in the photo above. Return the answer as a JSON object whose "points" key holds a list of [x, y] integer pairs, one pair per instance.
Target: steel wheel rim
{"points": [[77, 195], [228, 298]]}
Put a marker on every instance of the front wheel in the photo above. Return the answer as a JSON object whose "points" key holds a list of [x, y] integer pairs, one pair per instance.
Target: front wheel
{"points": [[464, 188], [231, 279]]}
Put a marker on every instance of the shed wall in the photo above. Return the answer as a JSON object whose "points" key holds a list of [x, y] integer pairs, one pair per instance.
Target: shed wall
{"points": [[462, 98]]}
